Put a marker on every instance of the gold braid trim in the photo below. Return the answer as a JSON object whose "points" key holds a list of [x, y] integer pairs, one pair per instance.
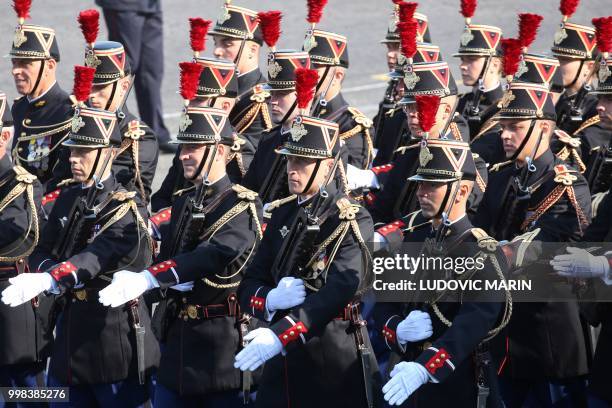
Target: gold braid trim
{"points": [[265, 114], [180, 192], [345, 186], [564, 153], [65, 126], [18, 158], [248, 118], [480, 182], [578, 161], [589, 122], [455, 131], [281, 201], [488, 125], [126, 143], [25, 184], [350, 133], [550, 200]]}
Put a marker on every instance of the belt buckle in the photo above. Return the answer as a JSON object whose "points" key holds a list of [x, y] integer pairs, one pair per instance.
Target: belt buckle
{"points": [[192, 312], [81, 294]]}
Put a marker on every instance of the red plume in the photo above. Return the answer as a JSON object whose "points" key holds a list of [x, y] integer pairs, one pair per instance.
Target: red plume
{"points": [[270, 26], [468, 8], [315, 10], [408, 32], [512, 50], [603, 33], [427, 106], [397, 1], [197, 33], [528, 28], [305, 82], [568, 7], [83, 80], [22, 8], [190, 77], [89, 20], [406, 11]]}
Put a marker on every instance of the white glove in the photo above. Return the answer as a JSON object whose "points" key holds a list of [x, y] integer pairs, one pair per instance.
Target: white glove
{"points": [[580, 264], [379, 242], [183, 287], [288, 293], [406, 377], [25, 286], [263, 345], [358, 178], [127, 285], [416, 326]]}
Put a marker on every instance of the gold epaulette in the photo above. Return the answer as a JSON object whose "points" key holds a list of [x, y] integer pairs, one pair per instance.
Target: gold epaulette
{"points": [[23, 176], [484, 240], [244, 193], [281, 201], [347, 209], [360, 118], [259, 94], [123, 195], [135, 130], [587, 123], [499, 166], [563, 175]]}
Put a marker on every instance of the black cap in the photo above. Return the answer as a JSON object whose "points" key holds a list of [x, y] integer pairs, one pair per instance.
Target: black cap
{"points": [[575, 41], [445, 161], [6, 119], [426, 52], [526, 101], [537, 69], [109, 60], [204, 126], [422, 29], [238, 22], [311, 137], [430, 78], [478, 39], [281, 69], [93, 128], [604, 86], [218, 78], [327, 48], [34, 42]]}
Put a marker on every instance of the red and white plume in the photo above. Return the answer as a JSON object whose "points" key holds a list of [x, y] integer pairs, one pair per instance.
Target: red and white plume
{"points": [[190, 77], [528, 28], [83, 81], [406, 11], [408, 37], [198, 28], [568, 8], [305, 83], [89, 21], [315, 11], [427, 108], [22, 8], [269, 21], [512, 50], [468, 8], [603, 34]]}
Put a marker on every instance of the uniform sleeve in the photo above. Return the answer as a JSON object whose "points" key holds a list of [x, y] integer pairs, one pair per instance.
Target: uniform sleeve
{"points": [[210, 257], [14, 222], [386, 317]]}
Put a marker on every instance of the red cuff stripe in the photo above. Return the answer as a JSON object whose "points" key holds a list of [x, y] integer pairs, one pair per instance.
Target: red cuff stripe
{"points": [[437, 361], [385, 168], [52, 196], [162, 267], [390, 228], [292, 333], [258, 303], [162, 217], [63, 269], [389, 334]]}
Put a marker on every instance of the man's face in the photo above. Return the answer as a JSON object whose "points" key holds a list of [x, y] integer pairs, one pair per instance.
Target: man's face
{"points": [[604, 109], [226, 48], [25, 72], [412, 118], [299, 171], [569, 69], [513, 134], [100, 95], [280, 103], [82, 160], [392, 54], [190, 156], [471, 67], [430, 196], [328, 78]]}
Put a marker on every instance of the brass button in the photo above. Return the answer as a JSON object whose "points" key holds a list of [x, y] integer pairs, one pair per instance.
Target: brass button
{"points": [[192, 311], [28, 121]]}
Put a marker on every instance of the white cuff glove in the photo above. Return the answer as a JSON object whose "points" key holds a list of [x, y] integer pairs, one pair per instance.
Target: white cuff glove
{"points": [[415, 327], [358, 178], [26, 286], [379, 242], [579, 263], [263, 345], [406, 378], [127, 285], [289, 293], [183, 287]]}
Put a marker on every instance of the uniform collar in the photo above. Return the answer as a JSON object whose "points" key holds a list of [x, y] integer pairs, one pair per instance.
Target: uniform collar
{"points": [[249, 79], [333, 105], [492, 95], [542, 164], [218, 186], [49, 92]]}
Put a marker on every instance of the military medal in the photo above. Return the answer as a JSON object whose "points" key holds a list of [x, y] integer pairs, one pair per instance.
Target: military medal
{"points": [[184, 122]]}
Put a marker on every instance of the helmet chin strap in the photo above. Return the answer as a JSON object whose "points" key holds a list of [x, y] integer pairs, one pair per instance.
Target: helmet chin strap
{"points": [[112, 96], [525, 140], [39, 77], [312, 177], [577, 75], [322, 102]]}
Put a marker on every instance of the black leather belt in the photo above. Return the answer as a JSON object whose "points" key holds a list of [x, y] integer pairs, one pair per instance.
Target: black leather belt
{"points": [[202, 312]]}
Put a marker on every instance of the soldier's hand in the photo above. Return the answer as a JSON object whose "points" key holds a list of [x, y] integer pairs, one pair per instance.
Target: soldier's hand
{"points": [[289, 292], [406, 378], [415, 327], [25, 286], [579, 263], [358, 178], [263, 345], [127, 285]]}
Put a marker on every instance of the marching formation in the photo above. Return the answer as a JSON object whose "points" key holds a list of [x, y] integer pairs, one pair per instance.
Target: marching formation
{"points": [[247, 278]]}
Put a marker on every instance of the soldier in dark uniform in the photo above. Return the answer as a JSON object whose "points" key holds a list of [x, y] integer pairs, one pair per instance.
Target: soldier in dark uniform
{"points": [[329, 56], [451, 368], [480, 66], [315, 346], [42, 115], [205, 332], [25, 340], [267, 171], [537, 192], [389, 122], [238, 38], [104, 355]]}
